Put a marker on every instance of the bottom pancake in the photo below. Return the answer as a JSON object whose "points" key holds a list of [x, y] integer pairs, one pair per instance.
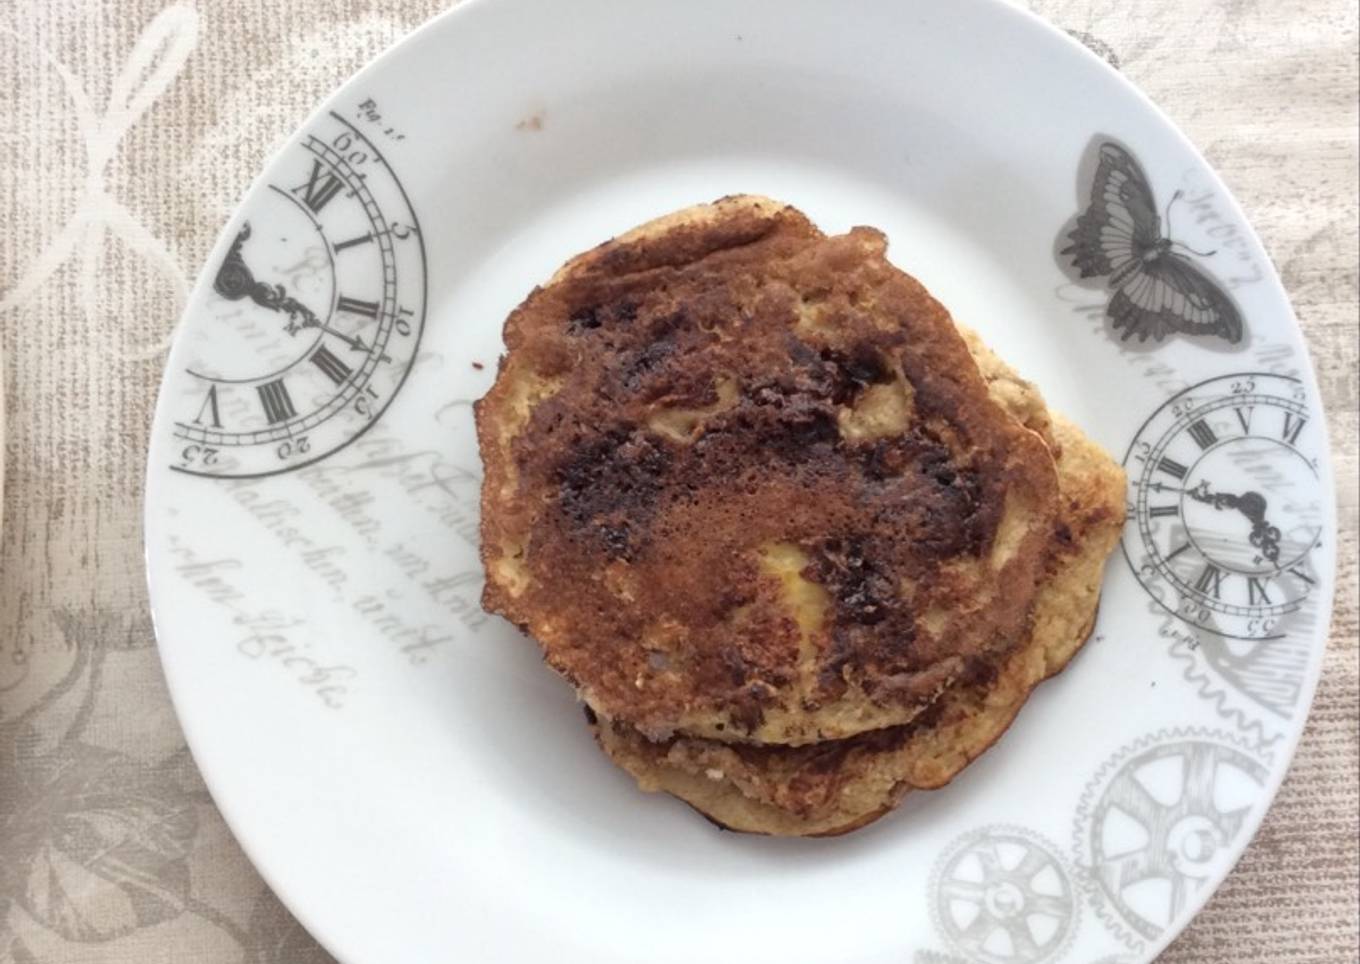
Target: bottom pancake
{"points": [[829, 788]]}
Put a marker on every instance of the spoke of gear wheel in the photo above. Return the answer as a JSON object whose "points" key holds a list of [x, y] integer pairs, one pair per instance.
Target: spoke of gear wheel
{"points": [[976, 933], [990, 857], [969, 890], [1046, 905], [1180, 895], [1034, 861], [1023, 946], [1201, 766], [1130, 868], [1133, 798]]}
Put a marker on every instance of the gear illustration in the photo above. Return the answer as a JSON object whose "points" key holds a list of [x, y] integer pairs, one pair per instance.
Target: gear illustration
{"points": [[935, 957], [1253, 684], [1160, 820], [1003, 895]]}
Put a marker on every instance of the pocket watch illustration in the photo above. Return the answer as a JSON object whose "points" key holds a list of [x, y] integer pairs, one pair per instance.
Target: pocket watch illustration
{"points": [[1226, 504], [315, 314]]}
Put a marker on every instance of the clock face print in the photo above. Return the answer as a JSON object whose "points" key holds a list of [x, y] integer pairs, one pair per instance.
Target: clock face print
{"points": [[314, 318], [1226, 504]]}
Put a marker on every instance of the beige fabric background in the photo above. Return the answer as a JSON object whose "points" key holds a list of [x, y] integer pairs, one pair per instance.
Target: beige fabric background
{"points": [[127, 133]]}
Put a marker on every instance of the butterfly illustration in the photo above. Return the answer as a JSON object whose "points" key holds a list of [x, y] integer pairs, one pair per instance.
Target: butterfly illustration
{"points": [[1157, 290]]}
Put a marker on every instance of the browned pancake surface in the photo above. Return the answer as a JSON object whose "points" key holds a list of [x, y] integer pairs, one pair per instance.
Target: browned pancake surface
{"points": [[745, 481], [841, 785]]}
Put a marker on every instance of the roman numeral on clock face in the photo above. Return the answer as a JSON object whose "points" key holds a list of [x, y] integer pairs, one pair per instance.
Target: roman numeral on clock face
{"points": [[1210, 581], [1202, 434], [209, 408], [368, 309], [352, 242], [1256, 592], [1172, 467], [278, 406], [1293, 425], [1163, 510], [331, 366], [321, 186]]}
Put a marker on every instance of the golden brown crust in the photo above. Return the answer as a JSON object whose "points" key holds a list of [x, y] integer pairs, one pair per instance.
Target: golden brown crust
{"points": [[841, 785], [745, 481]]}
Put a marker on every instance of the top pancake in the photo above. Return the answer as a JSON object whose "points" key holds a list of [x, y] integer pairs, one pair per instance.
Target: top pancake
{"points": [[745, 481]]}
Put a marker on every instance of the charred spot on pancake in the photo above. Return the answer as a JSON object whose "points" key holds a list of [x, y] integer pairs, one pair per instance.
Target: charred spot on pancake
{"points": [[734, 666], [873, 627], [885, 459], [852, 372], [584, 319], [864, 593], [926, 495], [790, 423], [588, 318], [950, 521], [977, 673], [746, 708], [607, 490]]}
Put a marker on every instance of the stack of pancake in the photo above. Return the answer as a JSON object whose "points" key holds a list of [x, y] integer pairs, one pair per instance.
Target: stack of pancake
{"points": [[800, 543]]}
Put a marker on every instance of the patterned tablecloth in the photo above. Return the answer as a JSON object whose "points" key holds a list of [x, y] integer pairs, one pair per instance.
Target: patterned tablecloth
{"points": [[127, 133]]}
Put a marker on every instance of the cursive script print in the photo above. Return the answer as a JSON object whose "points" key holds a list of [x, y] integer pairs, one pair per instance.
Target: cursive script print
{"points": [[266, 637]]}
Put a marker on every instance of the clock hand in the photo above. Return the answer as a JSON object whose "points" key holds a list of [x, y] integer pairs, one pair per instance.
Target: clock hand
{"points": [[1264, 536], [1219, 500], [354, 341], [1267, 539], [235, 281]]}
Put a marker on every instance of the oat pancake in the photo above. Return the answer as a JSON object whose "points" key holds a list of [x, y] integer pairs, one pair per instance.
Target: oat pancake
{"points": [[838, 786], [745, 481]]}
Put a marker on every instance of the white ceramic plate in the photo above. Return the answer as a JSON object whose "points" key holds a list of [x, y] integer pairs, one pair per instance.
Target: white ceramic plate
{"points": [[401, 767]]}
